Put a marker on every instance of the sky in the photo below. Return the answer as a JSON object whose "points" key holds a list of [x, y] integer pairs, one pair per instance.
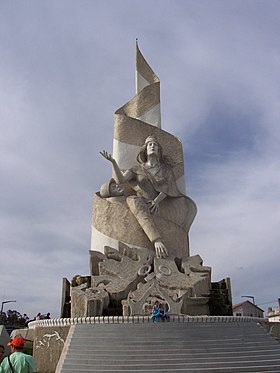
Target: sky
{"points": [[67, 65]]}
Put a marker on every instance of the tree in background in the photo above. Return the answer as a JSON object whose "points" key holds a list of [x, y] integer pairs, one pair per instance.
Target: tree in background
{"points": [[14, 318]]}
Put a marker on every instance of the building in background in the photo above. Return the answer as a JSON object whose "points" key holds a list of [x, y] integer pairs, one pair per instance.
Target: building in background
{"points": [[247, 308], [274, 314]]}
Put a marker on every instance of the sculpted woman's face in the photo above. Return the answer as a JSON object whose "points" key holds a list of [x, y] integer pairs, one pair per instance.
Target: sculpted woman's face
{"points": [[152, 148]]}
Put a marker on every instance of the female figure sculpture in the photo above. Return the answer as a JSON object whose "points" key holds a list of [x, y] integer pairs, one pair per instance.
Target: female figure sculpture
{"points": [[153, 181]]}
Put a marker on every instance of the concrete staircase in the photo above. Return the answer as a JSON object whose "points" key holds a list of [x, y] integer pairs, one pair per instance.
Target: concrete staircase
{"points": [[170, 347]]}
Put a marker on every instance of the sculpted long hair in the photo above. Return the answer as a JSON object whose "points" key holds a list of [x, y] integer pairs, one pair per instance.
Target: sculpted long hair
{"points": [[142, 155]]}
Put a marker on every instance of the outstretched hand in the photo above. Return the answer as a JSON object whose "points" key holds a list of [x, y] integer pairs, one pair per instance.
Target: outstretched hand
{"points": [[153, 206], [107, 156], [160, 249]]}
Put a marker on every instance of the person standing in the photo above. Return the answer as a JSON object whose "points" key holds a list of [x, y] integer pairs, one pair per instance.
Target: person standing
{"points": [[38, 316], [156, 312], [18, 361]]}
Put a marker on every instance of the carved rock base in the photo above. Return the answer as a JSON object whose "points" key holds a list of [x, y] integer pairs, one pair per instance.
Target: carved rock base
{"points": [[130, 280]]}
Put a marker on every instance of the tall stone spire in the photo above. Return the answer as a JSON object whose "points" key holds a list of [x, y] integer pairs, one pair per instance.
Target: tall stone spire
{"points": [[140, 118], [132, 120], [148, 83]]}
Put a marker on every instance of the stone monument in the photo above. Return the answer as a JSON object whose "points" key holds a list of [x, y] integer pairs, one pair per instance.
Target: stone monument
{"points": [[141, 220]]}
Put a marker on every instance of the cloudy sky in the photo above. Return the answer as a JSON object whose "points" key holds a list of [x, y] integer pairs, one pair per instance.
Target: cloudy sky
{"points": [[67, 65]]}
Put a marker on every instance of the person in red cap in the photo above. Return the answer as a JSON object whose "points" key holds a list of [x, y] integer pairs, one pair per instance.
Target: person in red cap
{"points": [[18, 361]]}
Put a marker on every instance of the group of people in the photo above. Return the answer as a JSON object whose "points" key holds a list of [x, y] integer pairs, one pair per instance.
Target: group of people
{"points": [[159, 313], [39, 316], [18, 361]]}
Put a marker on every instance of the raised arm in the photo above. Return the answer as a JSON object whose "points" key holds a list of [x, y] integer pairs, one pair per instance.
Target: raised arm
{"points": [[121, 177]]}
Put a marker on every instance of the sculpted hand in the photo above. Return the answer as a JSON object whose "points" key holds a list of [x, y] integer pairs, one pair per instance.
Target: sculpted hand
{"points": [[161, 250], [120, 178], [153, 206], [107, 156]]}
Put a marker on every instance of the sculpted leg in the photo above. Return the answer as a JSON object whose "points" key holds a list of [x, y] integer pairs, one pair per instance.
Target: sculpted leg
{"points": [[142, 213]]}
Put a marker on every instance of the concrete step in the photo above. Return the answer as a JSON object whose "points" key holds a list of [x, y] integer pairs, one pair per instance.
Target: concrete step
{"points": [[167, 355], [171, 347], [234, 368]]}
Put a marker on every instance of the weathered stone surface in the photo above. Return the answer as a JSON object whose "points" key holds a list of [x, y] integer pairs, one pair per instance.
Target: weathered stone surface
{"points": [[186, 292], [94, 258], [117, 221], [88, 301], [24, 333], [48, 345], [65, 310], [133, 279], [221, 299], [140, 302], [119, 273], [272, 328]]}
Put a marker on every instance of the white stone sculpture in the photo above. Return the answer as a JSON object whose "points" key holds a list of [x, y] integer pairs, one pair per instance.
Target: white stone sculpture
{"points": [[141, 219], [154, 182]]}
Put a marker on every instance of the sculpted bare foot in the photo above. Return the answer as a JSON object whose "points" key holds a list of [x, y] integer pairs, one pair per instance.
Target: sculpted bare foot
{"points": [[160, 249]]}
